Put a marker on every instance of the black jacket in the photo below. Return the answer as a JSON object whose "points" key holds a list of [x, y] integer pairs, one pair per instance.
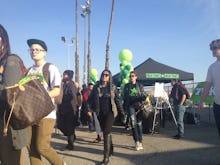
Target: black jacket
{"points": [[67, 110], [13, 72], [137, 98], [115, 100]]}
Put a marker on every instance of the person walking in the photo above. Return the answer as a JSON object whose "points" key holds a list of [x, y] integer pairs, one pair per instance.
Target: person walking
{"points": [[178, 96], [85, 107], [93, 121], [104, 100], [67, 110], [11, 71], [42, 131], [213, 79], [133, 96]]}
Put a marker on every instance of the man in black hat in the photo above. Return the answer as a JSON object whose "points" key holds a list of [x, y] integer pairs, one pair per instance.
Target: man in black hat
{"points": [[67, 110], [42, 131]]}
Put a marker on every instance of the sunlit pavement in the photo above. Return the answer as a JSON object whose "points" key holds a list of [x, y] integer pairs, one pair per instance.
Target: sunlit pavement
{"points": [[201, 145]]}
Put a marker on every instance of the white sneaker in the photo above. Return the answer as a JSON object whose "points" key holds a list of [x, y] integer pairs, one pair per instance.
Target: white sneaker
{"points": [[137, 146], [141, 146]]}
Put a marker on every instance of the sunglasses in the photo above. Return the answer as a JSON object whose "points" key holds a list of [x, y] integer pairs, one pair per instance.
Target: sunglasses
{"points": [[105, 75], [132, 75]]}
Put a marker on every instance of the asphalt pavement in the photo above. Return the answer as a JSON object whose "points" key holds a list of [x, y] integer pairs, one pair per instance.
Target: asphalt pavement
{"points": [[200, 146]]}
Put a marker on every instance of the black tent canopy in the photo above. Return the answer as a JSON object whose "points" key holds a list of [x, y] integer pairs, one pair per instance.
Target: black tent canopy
{"points": [[151, 71]]}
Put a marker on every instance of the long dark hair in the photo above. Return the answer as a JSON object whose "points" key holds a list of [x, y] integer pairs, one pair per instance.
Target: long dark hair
{"points": [[5, 46], [110, 77]]}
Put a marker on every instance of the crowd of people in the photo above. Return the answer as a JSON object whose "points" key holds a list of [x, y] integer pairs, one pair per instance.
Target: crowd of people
{"points": [[96, 105]]}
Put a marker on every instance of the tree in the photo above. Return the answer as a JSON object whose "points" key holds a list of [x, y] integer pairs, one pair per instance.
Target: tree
{"points": [[107, 57]]}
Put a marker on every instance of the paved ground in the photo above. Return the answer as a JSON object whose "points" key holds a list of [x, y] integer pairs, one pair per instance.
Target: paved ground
{"points": [[200, 146]]}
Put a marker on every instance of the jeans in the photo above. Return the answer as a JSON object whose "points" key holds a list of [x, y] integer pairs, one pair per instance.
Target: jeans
{"points": [[40, 143], [216, 111], [127, 118], [180, 111], [136, 124], [97, 125]]}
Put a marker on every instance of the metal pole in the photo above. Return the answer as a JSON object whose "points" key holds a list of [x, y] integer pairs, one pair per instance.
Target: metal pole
{"points": [[89, 47], [68, 56], [76, 53], [84, 62]]}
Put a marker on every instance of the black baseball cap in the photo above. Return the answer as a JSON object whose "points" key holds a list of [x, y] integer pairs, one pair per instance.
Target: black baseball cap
{"points": [[37, 41]]}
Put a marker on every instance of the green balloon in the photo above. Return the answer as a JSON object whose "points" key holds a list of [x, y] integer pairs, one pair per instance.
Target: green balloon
{"points": [[128, 67], [93, 72], [125, 55], [125, 81], [122, 67], [124, 63], [93, 79]]}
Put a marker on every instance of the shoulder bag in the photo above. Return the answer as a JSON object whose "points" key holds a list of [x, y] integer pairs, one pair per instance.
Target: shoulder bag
{"points": [[27, 103]]}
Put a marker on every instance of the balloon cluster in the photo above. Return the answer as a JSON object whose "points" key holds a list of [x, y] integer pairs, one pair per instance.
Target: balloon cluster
{"points": [[93, 76], [125, 57]]}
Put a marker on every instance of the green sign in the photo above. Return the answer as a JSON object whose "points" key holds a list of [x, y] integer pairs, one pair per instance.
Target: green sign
{"points": [[162, 75], [198, 91]]}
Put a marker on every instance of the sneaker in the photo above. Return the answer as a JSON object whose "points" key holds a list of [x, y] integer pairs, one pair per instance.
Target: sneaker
{"points": [[177, 137], [141, 146], [64, 163], [137, 146], [127, 127]]}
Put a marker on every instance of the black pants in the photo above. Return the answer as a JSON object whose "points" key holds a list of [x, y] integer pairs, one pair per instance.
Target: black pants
{"points": [[216, 110], [106, 122]]}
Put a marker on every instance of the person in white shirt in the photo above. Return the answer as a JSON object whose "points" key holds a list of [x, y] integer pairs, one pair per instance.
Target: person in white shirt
{"points": [[213, 79], [42, 131]]}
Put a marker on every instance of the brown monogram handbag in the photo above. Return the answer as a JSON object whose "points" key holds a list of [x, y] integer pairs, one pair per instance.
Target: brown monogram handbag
{"points": [[28, 103]]}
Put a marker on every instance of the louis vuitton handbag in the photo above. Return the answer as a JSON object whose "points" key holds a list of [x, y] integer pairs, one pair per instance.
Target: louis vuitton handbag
{"points": [[27, 103]]}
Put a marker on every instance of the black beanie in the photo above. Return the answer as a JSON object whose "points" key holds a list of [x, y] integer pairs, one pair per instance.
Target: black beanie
{"points": [[69, 73]]}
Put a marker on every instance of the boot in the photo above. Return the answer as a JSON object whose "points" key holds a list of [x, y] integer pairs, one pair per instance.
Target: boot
{"points": [[111, 147], [107, 147], [71, 140], [98, 139]]}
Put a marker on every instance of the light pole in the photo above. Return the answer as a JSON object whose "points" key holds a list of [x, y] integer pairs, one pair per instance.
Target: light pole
{"points": [[76, 53], [68, 48], [86, 10], [84, 57]]}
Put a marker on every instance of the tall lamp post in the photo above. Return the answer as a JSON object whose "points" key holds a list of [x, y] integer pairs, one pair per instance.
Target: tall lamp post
{"points": [[68, 48], [76, 53], [86, 10], [84, 13]]}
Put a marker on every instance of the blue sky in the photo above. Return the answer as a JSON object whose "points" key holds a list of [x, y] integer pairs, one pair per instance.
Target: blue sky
{"points": [[173, 32]]}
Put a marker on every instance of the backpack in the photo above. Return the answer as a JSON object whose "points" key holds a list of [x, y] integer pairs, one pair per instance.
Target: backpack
{"points": [[185, 90], [58, 99]]}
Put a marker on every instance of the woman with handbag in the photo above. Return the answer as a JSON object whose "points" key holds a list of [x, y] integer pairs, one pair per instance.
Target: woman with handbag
{"points": [[11, 71], [104, 100]]}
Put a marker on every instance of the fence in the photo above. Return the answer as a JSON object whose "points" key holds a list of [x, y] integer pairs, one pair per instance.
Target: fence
{"points": [[206, 115]]}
